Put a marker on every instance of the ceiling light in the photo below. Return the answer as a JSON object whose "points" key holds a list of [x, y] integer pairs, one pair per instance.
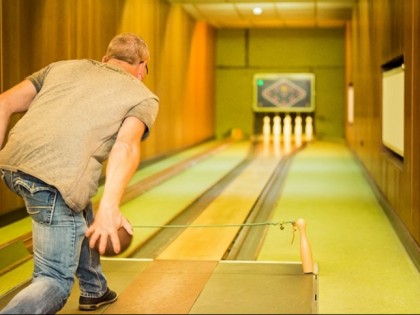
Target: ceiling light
{"points": [[257, 10]]}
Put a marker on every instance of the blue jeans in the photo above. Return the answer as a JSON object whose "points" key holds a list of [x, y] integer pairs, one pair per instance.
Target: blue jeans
{"points": [[61, 250]]}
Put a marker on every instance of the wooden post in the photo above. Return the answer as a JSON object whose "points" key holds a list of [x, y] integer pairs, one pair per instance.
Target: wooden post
{"points": [[305, 247]]}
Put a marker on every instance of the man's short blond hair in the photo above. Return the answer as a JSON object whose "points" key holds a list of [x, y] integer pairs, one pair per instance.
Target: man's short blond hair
{"points": [[128, 47]]}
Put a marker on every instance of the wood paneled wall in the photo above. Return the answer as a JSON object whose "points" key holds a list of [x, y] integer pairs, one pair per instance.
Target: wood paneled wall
{"points": [[414, 38], [1, 46], [381, 31], [37, 32]]}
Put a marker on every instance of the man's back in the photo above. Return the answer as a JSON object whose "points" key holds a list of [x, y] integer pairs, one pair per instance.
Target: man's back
{"points": [[84, 103]]}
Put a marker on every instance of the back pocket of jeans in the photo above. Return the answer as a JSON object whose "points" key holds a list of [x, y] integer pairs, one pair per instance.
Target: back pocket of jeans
{"points": [[39, 200]]}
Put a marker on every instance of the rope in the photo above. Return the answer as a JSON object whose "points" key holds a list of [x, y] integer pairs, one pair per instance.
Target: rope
{"points": [[281, 224], [177, 226]]}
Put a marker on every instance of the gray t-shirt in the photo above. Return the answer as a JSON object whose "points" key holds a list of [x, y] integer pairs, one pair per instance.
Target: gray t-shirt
{"points": [[72, 124]]}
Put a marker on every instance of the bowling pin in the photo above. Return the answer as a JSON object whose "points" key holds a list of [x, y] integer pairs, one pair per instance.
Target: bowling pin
{"points": [[287, 132], [266, 128], [276, 129], [305, 248], [298, 125], [287, 126], [276, 125], [308, 128], [298, 130]]}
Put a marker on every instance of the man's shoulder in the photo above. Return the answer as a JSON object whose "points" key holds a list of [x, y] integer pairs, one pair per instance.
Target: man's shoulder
{"points": [[72, 66], [75, 62]]}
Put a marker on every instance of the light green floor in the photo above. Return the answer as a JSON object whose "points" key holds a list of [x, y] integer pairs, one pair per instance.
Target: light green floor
{"points": [[363, 267]]}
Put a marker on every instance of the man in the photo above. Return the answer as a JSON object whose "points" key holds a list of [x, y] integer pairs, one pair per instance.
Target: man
{"points": [[78, 113]]}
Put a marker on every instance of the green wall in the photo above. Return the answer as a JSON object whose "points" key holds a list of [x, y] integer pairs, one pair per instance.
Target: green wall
{"points": [[240, 53]]}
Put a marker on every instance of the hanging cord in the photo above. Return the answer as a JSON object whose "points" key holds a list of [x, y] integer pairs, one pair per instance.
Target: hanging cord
{"points": [[180, 226]]}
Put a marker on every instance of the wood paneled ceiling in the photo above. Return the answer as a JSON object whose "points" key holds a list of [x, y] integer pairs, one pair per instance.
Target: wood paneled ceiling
{"points": [[280, 13]]}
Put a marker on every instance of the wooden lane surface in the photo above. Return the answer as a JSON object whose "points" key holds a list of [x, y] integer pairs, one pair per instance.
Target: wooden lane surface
{"points": [[160, 205], [164, 287], [230, 208], [250, 287]]}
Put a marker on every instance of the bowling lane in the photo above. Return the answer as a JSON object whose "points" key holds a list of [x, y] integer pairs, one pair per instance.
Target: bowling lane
{"points": [[161, 204], [231, 207]]}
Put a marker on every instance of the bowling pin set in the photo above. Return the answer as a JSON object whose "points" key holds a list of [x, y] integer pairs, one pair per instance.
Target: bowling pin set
{"points": [[288, 129]]}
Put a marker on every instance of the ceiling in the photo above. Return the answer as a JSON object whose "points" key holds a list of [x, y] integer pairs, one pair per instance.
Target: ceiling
{"points": [[280, 13]]}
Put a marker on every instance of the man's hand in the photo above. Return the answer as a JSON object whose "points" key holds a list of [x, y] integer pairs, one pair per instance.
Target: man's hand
{"points": [[106, 224]]}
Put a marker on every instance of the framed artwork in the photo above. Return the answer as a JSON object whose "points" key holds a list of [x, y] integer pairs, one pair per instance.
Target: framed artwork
{"points": [[393, 109], [284, 92]]}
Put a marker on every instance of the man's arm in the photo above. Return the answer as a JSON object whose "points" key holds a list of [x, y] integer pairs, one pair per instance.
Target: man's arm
{"points": [[15, 100], [123, 161]]}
